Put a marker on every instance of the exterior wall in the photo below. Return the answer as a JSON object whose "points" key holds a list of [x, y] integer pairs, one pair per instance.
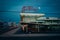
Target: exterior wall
{"points": [[30, 17]]}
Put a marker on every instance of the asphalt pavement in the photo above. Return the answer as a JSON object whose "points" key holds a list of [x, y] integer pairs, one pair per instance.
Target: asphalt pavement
{"points": [[18, 33]]}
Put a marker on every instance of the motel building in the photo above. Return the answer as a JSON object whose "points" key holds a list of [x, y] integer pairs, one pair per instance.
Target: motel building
{"points": [[36, 22]]}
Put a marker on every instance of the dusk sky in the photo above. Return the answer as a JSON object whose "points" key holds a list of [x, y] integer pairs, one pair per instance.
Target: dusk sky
{"points": [[13, 8]]}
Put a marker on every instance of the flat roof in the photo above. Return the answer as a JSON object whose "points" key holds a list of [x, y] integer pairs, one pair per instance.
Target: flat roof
{"points": [[32, 14], [49, 18]]}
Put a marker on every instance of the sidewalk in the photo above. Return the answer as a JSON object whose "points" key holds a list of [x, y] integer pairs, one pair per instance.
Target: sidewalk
{"points": [[10, 32]]}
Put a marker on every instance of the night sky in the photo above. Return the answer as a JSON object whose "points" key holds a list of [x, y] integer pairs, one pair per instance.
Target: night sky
{"points": [[10, 9]]}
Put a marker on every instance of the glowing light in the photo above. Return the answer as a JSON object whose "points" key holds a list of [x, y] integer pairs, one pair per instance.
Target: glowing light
{"points": [[39, 7]]}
